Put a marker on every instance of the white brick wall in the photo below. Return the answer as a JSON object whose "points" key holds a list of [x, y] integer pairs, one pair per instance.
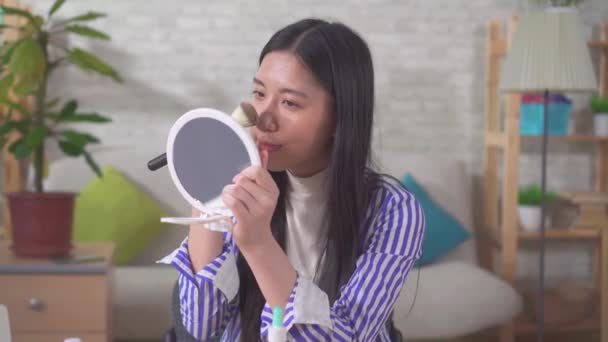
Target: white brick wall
{"points": [[428, 57]]}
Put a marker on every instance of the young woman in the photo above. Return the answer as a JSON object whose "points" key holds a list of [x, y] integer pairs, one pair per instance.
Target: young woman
{"points": [[316, 232]]}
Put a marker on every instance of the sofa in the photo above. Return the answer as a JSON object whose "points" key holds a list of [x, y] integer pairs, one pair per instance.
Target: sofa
{"points": [[448, 298]]}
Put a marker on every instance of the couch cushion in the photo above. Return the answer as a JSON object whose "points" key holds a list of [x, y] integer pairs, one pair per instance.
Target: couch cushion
{"points": [[112, 208], [442, 233], [452, 299], [447, 182]]}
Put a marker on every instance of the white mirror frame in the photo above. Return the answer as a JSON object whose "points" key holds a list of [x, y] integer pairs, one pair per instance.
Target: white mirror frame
{"points": [[222, 117]]}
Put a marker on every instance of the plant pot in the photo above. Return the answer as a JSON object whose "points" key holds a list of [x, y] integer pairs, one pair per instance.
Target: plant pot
{"points": [[600, 124], [529, 218], [41, 223]]}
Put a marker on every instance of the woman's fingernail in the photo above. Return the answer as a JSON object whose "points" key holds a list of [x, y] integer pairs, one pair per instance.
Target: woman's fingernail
{"points": [[235, 179]]}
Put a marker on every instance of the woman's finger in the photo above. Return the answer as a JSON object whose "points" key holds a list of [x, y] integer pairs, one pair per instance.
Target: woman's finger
{"points": [[257, 193], [260, 176], [241, 193], [235, 205]]}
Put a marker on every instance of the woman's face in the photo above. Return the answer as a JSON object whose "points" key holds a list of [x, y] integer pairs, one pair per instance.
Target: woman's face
{"points": [[297, 125]]}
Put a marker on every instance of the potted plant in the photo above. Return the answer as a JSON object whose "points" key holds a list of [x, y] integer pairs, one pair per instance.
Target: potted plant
{"points": [[599, 107], [529, 207], [42, 221]]}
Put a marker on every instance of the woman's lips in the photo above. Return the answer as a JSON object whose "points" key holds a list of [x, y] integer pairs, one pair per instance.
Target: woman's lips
{"points": [[268, 147]]}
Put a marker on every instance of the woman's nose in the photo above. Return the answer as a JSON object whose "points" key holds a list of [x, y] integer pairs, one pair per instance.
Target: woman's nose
{"points": [[266, 122]]}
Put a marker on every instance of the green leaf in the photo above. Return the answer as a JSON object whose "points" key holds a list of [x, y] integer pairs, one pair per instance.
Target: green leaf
{"points": [[55, 7], [26, 85], [24, 146], [8, 50], [20, 149], [15, 11], [79, 138], [52, 103], [32, 27], [6, 83], [89, 62], [80, 117], [28, 60], [88, 16], [92, 163], [69, 108], [7, 127], [87, 32], [23, 125], [4, 26], [15, 106], [70, 149]]}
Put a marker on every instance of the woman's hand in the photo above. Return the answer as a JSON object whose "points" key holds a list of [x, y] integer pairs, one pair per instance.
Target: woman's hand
{"points": [[252, 199]]}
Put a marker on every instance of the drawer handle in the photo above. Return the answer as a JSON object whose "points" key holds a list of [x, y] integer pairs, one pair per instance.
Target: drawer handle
{"points": [[36, 304]]}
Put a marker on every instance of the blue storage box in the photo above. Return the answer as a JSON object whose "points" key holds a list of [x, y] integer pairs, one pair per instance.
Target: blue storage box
{"points": [[531, 114]]}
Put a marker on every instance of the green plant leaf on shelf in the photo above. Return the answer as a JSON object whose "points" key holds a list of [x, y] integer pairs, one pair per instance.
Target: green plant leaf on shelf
{"points": [[23, 125], [6, 84], [69, 148], [8, 50], [599, 104], [28, 61], [15, 106], [87, 16], [80, 117], [79, 138], [4, 26], [69, 108], [24, 146], [26, 85], [89, 62], [52, 103], [6, 127], [32, 27], [56, 7], [92, 164], [87, 32], [6, 10], [532, 195]]}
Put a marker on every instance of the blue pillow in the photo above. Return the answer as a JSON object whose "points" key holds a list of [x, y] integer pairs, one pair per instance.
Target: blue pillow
{"points": [[442, 231]]}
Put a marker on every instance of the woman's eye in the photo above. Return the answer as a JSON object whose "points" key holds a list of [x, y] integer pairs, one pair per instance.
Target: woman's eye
{"points": [[257, 94], [291, 104]]}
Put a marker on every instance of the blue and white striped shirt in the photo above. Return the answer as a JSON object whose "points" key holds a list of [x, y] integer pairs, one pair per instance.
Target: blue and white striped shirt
{"points": [[393, 234]]}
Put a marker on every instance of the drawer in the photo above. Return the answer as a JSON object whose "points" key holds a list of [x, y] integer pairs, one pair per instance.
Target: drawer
{"points": [[57, 337], [55, 303]]}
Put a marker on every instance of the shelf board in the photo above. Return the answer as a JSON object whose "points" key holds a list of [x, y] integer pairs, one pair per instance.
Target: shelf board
{"points": [[528, 327], [568, 138], [562, 234]]}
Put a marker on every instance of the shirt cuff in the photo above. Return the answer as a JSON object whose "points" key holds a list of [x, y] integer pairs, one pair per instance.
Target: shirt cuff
{"points": [[221, 271], [307, 304]]}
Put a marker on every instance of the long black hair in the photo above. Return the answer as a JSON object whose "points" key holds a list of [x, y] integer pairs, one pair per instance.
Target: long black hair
{"points": [[341, 61]]}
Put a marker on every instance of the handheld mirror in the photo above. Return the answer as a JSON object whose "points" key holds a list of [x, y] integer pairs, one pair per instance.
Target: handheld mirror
{"points": [[206, 148]]}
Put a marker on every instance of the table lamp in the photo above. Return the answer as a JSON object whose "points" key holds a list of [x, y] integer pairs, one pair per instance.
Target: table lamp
{"points": [[548, 53]]}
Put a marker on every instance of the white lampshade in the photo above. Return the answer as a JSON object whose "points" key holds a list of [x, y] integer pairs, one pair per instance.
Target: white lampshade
{"points": [[549, 52]]}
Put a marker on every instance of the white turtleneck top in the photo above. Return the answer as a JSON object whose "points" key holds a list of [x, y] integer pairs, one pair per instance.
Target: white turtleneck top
{"points": [[306, 224]]}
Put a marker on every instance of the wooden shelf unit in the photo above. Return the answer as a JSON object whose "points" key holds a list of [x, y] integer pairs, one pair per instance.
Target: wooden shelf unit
{"points": [[502, 140]]}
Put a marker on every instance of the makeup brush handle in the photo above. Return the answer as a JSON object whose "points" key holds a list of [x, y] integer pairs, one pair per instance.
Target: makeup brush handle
{"points": [[157, 162]]}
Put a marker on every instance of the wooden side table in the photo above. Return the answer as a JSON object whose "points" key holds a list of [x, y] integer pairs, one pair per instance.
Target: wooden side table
{"points": [[51, 301]]}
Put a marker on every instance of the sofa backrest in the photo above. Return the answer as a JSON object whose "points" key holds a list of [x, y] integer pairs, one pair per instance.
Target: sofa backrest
{"points": [[445, 180]]}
